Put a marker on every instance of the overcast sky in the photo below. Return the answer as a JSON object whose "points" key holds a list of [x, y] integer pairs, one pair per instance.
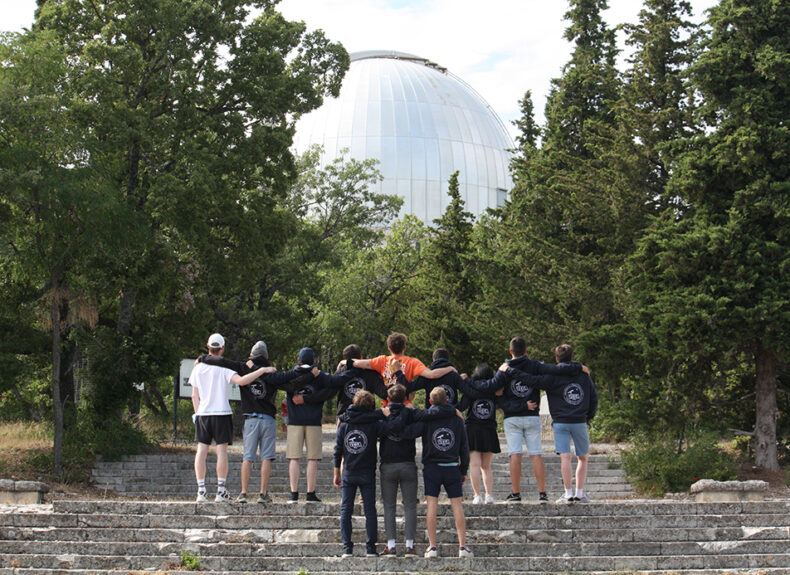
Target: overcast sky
{"points": [[499, 47]]}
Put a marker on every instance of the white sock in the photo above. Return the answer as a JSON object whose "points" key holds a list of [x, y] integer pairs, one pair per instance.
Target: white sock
{"points": [[220, 484], [390, 544], [568, 493], [201, 484], [410, 543], [579, 492]]}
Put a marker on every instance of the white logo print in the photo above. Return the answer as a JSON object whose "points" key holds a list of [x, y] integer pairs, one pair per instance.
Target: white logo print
{"points": [[573, 394], [356, 442], [450, 393], [483, 408], [353, 386], [519, 388], [443, 439]]}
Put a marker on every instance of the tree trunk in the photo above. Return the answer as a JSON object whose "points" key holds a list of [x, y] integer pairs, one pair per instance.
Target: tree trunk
{"points": [[54, 316], [765, 449]]}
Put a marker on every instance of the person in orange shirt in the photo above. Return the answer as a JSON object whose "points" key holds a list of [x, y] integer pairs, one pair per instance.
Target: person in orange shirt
{"points": [[388, 365]]}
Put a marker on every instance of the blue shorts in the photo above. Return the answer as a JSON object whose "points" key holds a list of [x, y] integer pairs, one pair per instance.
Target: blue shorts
{"points": [[259, 433], [435, 476], [523, 429], [563, 432]]}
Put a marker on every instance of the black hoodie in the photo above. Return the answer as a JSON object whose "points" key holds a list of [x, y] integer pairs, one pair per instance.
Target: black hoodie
{"points": [[450, 382], [356, 438], [480, 407], [398, 446], [572, 399], [367, 379], [315, 393], [443, 436]]}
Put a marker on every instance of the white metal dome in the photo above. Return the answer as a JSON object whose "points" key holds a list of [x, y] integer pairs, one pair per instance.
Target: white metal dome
{"points": [[422, 123]]}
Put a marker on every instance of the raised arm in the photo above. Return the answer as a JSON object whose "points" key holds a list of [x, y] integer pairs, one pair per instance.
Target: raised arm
{"points": [[250, 377], [237, 366], [536, 381], [437, 373]]}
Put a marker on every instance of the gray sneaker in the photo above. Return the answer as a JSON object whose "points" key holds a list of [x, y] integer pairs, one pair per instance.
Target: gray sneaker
{"points": [[582, 499], [201, 497], [264, 498], [242, 498]]}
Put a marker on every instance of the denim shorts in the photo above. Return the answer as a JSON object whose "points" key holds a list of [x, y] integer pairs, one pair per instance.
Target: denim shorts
{"points": [[434, 476], [563, 432], [525, 428], [259, 433]]}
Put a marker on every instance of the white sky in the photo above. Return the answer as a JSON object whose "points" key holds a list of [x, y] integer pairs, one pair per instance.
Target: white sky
{"points": [[499, 47]]}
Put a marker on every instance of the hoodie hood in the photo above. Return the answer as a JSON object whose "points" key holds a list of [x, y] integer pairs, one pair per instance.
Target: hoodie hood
{"points": [[441, 363], [355, 414]]}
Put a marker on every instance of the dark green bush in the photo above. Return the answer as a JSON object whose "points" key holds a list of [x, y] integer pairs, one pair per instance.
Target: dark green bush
{"points": [[655, 466]]}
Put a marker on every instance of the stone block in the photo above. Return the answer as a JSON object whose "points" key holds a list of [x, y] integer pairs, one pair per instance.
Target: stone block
{"points": [[710, 491]]}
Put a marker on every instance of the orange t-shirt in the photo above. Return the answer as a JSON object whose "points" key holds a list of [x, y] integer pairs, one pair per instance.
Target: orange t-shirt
{"points": [[411, 367]]}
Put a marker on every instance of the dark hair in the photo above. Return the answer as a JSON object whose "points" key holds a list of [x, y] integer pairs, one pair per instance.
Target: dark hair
{"points": [[518, 346], [365, 400], [563, 353], [352, 351], [483, 371], [438, 396], [396, 342], [396, 393], [441, 353]]}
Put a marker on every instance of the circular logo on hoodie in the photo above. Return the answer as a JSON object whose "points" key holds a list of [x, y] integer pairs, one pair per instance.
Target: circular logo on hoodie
{"points": [[443, 439], [519, 388], [573, 394], [356, 442], [483, 408], [450, 393], [353, 386]]}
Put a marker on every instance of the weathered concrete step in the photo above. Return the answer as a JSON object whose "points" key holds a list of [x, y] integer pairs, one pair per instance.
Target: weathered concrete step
{"points": [[475, 564], [479, 533], [436, 568], [498, 547]]}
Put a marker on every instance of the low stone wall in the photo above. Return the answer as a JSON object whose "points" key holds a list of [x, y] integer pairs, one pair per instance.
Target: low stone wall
{"points": [[22, 492], [710, 491]]}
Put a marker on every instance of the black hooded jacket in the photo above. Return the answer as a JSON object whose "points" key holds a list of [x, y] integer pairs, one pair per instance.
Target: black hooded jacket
{"points": [[357, 436], [443, 436], [359, 379], [451, 382], [572, 399]]}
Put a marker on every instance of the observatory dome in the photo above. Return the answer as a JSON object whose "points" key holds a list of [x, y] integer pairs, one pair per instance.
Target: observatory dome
{"points": [[422, 123]]}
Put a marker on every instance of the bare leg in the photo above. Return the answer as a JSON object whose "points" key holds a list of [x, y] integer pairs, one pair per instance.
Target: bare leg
{"points": [[246, 470], [515, 472], [200, 461], [539, 468], [474, 471], [485, 469], [222, 460], [431, 510], [266, 473], [581, 471], [460, 521], [312, 474], [567, 473], [293, 473]]}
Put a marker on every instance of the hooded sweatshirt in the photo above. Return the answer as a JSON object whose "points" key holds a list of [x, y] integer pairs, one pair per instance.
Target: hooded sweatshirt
{"points": [[572, 399], [443, 436], [450, 382]]}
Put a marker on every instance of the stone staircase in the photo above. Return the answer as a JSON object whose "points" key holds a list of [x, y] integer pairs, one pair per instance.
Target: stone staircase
{"points": [[91, 537], [172, 476]]}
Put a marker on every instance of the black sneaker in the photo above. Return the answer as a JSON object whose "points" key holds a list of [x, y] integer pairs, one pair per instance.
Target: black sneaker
{"points": [[371, 552], [312, 497], [294, 498], [513, 498], [543, 497], [348, 552]]}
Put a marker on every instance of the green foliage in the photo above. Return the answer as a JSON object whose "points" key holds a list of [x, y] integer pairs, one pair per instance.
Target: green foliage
{"points": [[190, 560], [657, 466]]}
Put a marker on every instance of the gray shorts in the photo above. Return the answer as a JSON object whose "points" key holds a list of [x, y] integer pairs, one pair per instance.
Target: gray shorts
{"points": [[520, 430], [260, 433]]}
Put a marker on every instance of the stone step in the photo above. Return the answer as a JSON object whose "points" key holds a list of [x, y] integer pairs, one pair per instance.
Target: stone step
{"points": [[609, 563], [436, 567]]}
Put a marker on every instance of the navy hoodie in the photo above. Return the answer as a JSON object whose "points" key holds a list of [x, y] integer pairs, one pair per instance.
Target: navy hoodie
{"points": [[356, 439], [451, 382], [517, 392], [480, 407], [443, 436], [358, 379], [315, 393], [572, 399], [397, 446]]}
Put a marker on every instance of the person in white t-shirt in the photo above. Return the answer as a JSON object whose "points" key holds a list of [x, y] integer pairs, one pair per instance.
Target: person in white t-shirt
{"points": [[213, 420]]}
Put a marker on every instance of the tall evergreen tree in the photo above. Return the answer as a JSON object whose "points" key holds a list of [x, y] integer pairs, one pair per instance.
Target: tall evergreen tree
{"points": [[711, 281]]}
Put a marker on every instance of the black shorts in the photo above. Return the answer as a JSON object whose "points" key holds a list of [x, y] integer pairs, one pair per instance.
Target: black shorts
{"points": [[482, 438], [434, 476], [214, 427]]}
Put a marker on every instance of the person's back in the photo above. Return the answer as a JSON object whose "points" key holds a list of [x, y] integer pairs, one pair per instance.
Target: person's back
{"points": [[450, 382], [357, 379]]}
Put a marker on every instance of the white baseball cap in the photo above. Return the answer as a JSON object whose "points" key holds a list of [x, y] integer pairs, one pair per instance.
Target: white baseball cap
{"points": [[216, 341]]}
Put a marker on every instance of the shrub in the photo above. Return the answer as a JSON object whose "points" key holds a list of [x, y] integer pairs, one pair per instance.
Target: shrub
{"points": [[656, 467], [190, 560]]}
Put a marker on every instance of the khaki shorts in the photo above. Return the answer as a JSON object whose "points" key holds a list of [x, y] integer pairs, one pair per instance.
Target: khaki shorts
{"points": [[297, 436]]}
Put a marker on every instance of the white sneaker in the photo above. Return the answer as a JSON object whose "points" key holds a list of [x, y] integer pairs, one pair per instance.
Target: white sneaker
{"points": [[489, 499], [565, 501], [477, 500], [222, 496], [201, 496], [465, 552], [431, 552]]}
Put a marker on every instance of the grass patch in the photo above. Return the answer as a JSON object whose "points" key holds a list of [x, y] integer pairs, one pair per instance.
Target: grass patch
{"points": [[21, 435]]}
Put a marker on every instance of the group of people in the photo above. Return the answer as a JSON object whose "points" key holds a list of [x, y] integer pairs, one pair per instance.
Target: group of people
{"points": [[458, 428]]}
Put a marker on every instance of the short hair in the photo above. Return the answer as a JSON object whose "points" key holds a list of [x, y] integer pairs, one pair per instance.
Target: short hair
{"points": [[563, 353], [518, 346], [441, 353], [438, 396], [483, 371], [352, 351], [396, 393], [365, 400], [396, 342]]}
